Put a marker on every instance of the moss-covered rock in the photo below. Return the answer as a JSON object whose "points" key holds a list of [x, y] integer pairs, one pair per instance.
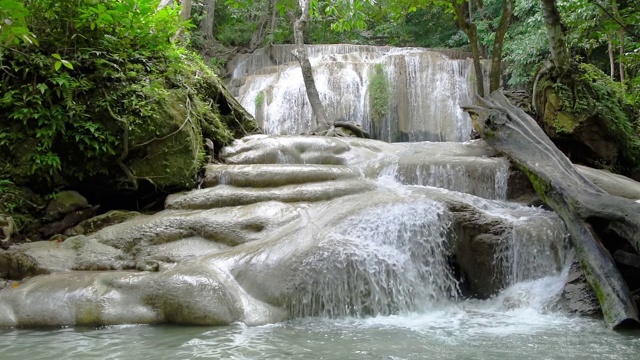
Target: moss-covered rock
{"points": [[587, 116], [149, 125], [100, 222]]}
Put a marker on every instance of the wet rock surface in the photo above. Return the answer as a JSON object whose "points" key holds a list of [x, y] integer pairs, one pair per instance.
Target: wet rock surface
{"points": [[242, 250]]}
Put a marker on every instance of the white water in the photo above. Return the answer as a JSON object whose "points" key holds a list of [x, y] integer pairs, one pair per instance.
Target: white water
{"points": [[389, 292], [426, 88], [486, 330], [387, 261]]}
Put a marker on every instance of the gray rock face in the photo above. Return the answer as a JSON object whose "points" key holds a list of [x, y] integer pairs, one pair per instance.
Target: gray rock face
{"points": [[336, 234]]}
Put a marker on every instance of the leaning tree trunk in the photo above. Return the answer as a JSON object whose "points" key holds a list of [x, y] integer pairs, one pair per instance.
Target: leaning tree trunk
{"points": [[299, 26], [581, 204]]}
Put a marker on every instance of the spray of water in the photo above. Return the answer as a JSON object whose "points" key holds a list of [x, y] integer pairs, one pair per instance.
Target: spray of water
{"points": [[386, 260]]}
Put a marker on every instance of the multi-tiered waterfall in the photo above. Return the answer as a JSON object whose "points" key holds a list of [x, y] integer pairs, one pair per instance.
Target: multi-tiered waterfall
{"points": [[422, 90], [318, 247]]}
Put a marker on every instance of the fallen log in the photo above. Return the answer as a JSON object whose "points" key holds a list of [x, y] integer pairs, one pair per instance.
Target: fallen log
{"points": [[579, 202]]}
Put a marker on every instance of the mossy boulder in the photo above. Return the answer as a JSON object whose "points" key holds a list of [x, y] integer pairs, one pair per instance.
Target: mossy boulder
{"points": [[99, 222], [587, 116], [144, 124], [64, 203]]}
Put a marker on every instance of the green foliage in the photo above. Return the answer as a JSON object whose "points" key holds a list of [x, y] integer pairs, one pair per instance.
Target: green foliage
{"points": [[591, 93], [379, 94], [19, 203], [101, 67], [13, 26], [51, 117], [259, 99]]}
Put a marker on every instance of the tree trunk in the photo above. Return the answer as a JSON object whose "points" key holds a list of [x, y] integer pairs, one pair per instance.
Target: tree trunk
{"points": [[206, 26], [498, 42], [469, 28], [185, 12], [274, 20], [612, 60], [261, 31], [299, 26], [582, 205], [165, 3], [614, 4], [557, 42]]}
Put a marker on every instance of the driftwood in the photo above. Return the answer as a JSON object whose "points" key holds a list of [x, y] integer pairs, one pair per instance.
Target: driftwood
{"points": [[582, 205]]}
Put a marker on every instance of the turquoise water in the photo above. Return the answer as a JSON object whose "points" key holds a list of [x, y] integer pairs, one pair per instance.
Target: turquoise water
{"points": [[464, 330]]}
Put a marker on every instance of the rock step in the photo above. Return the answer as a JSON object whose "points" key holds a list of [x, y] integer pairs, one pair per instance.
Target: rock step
{"points": [[273, 175], [225, 195]]}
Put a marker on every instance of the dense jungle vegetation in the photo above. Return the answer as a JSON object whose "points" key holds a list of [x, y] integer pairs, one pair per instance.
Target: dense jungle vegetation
{"points": [[86, 86]]}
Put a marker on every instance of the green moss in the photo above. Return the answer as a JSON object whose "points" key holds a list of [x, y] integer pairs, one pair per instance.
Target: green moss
{"points": [[541, 187], [379, 94], [588, 93], [607, 312], [169, 101], [259, 99]]}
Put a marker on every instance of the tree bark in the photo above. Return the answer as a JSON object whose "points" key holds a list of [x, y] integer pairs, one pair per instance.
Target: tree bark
{"points": [[299, 26], [469, 28], [612, 60], [206, 26], [614, 4], [185, 12], [581, 204], [557, 42], [165, 3], [274, 20], [498, 42]]}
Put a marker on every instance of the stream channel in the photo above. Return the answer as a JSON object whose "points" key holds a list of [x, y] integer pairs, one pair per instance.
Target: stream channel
{"points": [[361, 270]]}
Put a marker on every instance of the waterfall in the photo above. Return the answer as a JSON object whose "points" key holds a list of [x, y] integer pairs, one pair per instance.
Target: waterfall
{"points": [[386, 260], [535, 246], [484, 177], [424, 90]]}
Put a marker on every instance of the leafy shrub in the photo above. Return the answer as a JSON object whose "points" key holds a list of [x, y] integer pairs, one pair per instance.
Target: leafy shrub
{"points": [[94, 59]]}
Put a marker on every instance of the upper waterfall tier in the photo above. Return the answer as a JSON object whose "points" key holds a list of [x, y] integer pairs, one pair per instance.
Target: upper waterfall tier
{"points": [[397, 94]]}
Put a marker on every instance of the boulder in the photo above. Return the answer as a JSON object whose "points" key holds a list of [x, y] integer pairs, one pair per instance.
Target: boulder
{"points": [[63, 203], [589, 119]]}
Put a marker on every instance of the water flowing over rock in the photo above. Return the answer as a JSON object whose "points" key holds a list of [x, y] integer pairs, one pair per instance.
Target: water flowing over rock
{"points": [[327, 229], [396, 94]]}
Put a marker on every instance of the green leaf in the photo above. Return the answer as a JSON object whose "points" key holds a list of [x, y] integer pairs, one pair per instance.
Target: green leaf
{"points": [[67, 64], [57, 56], [42, 88], [57, 65]]}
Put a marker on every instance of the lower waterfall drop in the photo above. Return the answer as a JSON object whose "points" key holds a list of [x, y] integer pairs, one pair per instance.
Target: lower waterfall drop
{"points": [[384, 261]]}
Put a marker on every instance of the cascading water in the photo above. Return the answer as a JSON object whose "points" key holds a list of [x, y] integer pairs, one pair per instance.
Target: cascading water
{"points": [[374, 281], [486, 178], [383, 261], [425, 90]]}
